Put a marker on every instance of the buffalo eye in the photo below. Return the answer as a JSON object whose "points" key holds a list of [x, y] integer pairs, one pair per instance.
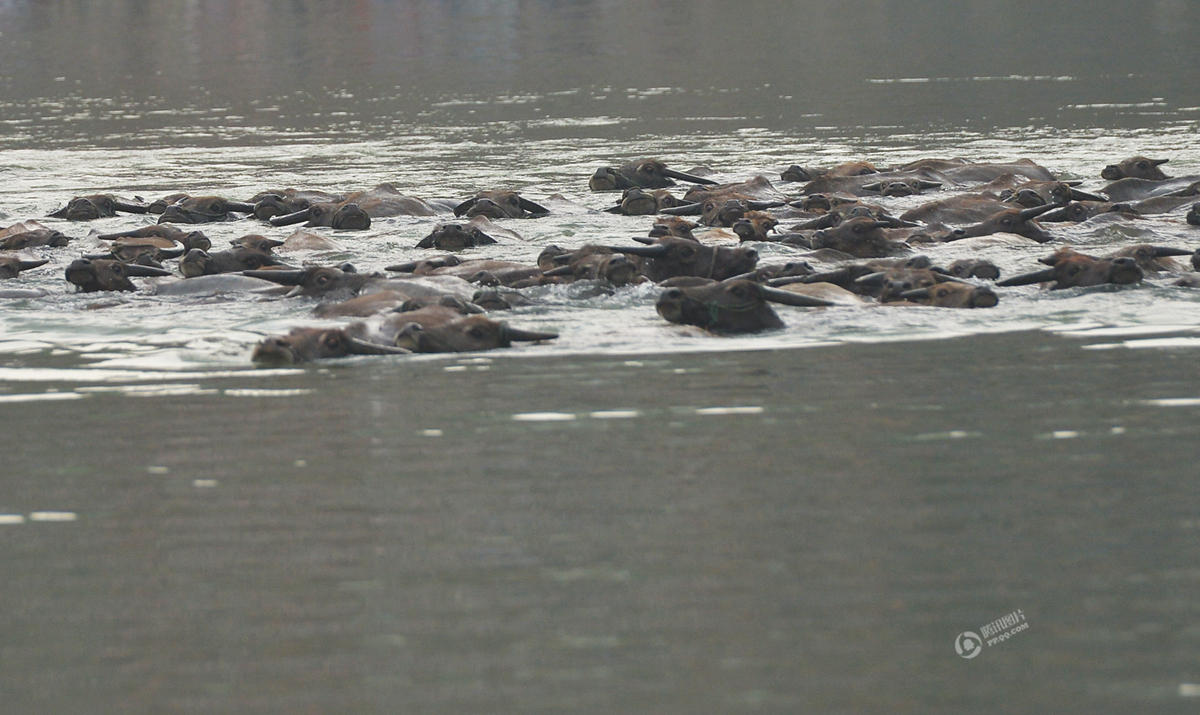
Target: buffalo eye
{"points": [[331, 340], [1143, 165], [477, 332], [322, 279]]}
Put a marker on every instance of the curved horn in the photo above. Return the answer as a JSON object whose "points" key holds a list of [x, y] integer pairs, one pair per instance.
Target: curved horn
{"points": [[518, 335], [530, 207], [358, 346], [559, 271], [404, 267], [1077, 195], [787, 297], [685, 210], [26, 264], [1036, 211], [239, 206], [916, 293], [926, 184], [656, 251], [465, 206], [872, 279], [289, 219], [1161, 252], [137, 269], [282, 277], [688, 177], [131, 208], [875, 186], [1042, 276], [765, 204]]}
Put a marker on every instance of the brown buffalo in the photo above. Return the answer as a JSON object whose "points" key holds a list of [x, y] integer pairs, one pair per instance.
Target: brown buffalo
{"points": [[729, 306], [643, 173]]}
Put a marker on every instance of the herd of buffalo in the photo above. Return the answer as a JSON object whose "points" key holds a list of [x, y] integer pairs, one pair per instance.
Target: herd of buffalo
{"points": [[698, 248]]}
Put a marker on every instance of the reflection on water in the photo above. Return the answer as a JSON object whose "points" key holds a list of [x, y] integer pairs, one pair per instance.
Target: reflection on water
{"points": [[634, 518]]}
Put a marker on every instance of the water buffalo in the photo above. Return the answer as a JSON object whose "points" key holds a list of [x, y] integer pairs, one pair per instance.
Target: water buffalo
{"points": [[592, 262], [91, 275], [319, 281], [256, 242], [1151, 259], [19, 239], [94, 206], [11, 265], [347, 216], [286, 201], [974, 268], [755, 226], [468, 334], [953, 295], [1135, 167], [861, 237], [637, 201], [166, 234], [309, 344], [1018, 221], [729, 306], [455, 237], [676, 226], [355, 210], [643, 173], [202, 263], [668, 257], [500, 204], [203, 209], [1135, 189], [1077, 270], [1040, 193], [484, 271]]}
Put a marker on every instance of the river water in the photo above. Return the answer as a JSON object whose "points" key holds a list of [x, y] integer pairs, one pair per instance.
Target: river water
{"points": [[633, 517]]}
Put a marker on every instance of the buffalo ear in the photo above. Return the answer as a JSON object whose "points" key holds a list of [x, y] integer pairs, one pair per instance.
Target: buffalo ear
{"points": [[426, 242]]}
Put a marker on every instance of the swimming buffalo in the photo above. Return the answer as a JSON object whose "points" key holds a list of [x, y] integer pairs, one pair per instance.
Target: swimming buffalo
{"points": [[202, 263], [94, 206], [637, 201], [19, 239], [203, 209], [468, 334], [643, 173], [1077, 270], [730, 306], [455, 237], [308, 344], [107, 275], [500, 204], [668, 257], [11, 264], [1136, 167], [953, 295]]}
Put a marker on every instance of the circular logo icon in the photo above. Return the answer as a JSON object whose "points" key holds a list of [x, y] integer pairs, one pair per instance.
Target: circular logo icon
{"points": [[968, 644]]}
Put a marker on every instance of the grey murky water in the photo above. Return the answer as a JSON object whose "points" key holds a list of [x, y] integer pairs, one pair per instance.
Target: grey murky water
{"points": [[634, 517]]}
